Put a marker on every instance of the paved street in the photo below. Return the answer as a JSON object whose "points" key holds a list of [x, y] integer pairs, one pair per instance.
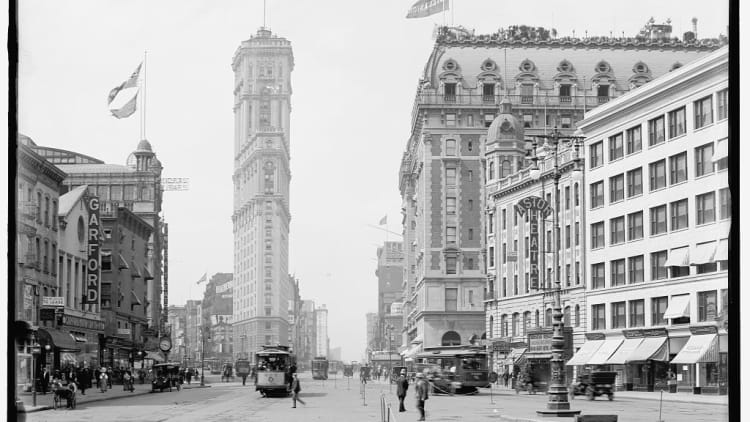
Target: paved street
{"points": [[329, 402]]}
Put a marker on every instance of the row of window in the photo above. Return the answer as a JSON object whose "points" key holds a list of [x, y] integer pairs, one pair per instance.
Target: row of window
{"points": [[519, 327], [566, 202], [703, 115], [630, 183], [631, 270], [45, 211], [122, 192], [631, 314], [570, 278], [705, 213]]}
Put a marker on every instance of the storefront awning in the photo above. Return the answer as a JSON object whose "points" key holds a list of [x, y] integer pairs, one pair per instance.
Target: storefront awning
{"points": [[601, 356], [624, 351], [514, 356], [146, 274], [134, 271], [68, 358], [679, 257], [411, 352], [651, 348], [155, 356], [59, 339], [585, 352], [678, 307], [135, 298], [79, 339], [722, 250], [703, 253], [699, 348]]}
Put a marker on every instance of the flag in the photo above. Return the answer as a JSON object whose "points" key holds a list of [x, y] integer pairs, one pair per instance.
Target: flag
{"points": [[424, 8], [203, 279], [383, 220], [122, 98]]}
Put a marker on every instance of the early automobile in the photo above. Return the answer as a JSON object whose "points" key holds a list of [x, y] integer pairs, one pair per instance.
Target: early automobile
{"points": [[166, 376], [593, 384]]}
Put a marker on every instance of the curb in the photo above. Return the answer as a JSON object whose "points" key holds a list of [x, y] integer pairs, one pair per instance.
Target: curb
{"points": [[104, 398]]}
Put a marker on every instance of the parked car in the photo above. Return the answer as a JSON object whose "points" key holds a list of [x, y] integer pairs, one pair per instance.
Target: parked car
{"points": [[594, 384], [166, 376]]}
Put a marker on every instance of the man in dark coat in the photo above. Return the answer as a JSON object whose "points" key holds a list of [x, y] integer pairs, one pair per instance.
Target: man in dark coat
{"points": [[45, 380], [295, 391], [402, 384]]}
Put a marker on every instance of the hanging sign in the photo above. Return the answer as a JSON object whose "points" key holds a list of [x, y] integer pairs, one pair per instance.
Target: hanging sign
{"points": [[534, 205], [93, 271]]}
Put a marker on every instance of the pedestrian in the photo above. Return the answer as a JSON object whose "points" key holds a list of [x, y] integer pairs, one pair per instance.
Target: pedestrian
{"points": [[189, 375], [110, 375], [103, 380], [82, 380], [45, 380], [295, 391], [402, 384], [505, 378], [421, 392]]}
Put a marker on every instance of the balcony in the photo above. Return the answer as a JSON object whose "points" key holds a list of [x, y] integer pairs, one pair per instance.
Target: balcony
{"points": [[430, 97]]}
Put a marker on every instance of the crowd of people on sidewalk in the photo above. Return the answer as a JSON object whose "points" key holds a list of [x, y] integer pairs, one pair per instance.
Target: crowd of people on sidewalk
{"points": [[83, 378]]}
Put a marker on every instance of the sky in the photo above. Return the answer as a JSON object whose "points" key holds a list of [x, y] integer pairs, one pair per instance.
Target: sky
{"points": [[357, 64]]}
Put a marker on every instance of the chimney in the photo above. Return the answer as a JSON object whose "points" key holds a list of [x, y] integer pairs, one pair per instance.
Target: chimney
{"points": [[695, 27]]}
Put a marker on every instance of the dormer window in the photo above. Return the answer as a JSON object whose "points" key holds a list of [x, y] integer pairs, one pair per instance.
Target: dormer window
{"points": [[488, 92], [527, 94], [602, 91], [564, 93], [450, 92]]}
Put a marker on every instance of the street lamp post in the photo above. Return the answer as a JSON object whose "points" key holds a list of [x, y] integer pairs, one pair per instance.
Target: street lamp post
{"points": [[558, 404], [389, 331], [203, 354]]}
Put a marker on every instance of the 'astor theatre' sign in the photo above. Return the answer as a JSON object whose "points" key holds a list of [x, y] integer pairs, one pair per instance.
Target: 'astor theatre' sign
{"points": [[535, 206], [93, 271]]}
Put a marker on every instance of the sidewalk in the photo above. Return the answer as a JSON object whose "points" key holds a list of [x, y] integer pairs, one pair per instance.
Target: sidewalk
{"points": [[45, 401], [675, 397]]}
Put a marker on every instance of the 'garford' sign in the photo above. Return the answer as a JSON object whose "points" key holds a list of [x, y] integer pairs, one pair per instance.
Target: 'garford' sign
{"points": [[93, 270]]}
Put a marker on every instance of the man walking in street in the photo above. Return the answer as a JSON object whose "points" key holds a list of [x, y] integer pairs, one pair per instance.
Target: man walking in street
{"points": [[45, 380], [295, 391], [420, 389], [402, 384]]}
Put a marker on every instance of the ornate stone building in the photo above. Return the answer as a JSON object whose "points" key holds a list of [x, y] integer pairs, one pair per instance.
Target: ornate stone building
{"points": [[262, 68], [550, 82]]}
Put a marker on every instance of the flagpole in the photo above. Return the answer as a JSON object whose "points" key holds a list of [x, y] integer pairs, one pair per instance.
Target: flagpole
{"points": [[451, 7], [143, 99]]}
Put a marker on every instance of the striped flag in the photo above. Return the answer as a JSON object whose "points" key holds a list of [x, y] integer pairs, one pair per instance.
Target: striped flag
{"points": [[383, 220], [424, 8], [122, 98], [202, 279]]}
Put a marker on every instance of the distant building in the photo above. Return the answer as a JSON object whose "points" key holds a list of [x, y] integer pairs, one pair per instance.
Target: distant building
{"points": [[390, 273], [373, 331], [321, 331], [193, 324], [262, 67], [217, 314], [177, 321], [307, 333], [295, 304], [335, 354]]}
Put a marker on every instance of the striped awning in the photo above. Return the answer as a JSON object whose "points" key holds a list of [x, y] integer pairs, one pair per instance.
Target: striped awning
{"points": [[703, 253], [135, 298], [156, 356], [123, 265], [606, 350], [722, 251], [626, 349], [134, 271], [585, 352], [651, 348], [514, 356], [699, 348], [678, 307], [146, 274]]}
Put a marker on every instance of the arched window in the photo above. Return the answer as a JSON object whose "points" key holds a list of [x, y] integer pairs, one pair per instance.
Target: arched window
{"points": [[46, 211], [516, 321], [451, 338], [491, 328], [536, 319], [578, 317], [504, 326], [566, 316], [491, 171], [548, 318], [505, 169], [526, 322]]}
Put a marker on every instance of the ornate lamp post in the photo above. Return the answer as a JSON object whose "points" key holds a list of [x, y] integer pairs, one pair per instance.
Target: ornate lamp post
{"points": [[558, 404], [203, 354]]}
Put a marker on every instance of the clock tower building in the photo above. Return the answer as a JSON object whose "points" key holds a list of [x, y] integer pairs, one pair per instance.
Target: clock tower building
{"points": [[262, 68]]}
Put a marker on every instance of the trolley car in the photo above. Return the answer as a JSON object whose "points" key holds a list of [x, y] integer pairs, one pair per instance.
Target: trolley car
{"points": [[320, 368], [272, 364], [462, 369]]}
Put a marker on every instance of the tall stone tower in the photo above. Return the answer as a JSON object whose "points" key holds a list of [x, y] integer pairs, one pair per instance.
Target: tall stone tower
{"points": [[262, 69]]}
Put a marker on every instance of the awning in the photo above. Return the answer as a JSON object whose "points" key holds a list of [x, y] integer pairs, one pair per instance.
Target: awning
{"points": [[624, 351], [699, 348], [678, 307], [67, 358], [722, 231], [79, 339], [123, 265], [538, 355], [146, 274], [410, 352], [155, 356], [651, 348], [678, 258], [514, 355], [601, 356], [59, 339], [721, 150], [134, 271], [135, 298], [585, 352], [703, 253], [722, 250]]}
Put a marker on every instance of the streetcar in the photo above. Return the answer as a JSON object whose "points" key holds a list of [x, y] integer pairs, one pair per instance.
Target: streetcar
{"points": [[334, 366], [272, 365], [319, 368], [460, 369]]}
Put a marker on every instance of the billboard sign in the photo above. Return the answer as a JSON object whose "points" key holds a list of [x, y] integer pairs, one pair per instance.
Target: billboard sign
{"points": [[53, 301], [535, 206]]}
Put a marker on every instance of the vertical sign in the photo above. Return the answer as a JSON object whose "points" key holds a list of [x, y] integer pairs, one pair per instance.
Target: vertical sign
{"points": [[93, 271], [535, 206]]}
